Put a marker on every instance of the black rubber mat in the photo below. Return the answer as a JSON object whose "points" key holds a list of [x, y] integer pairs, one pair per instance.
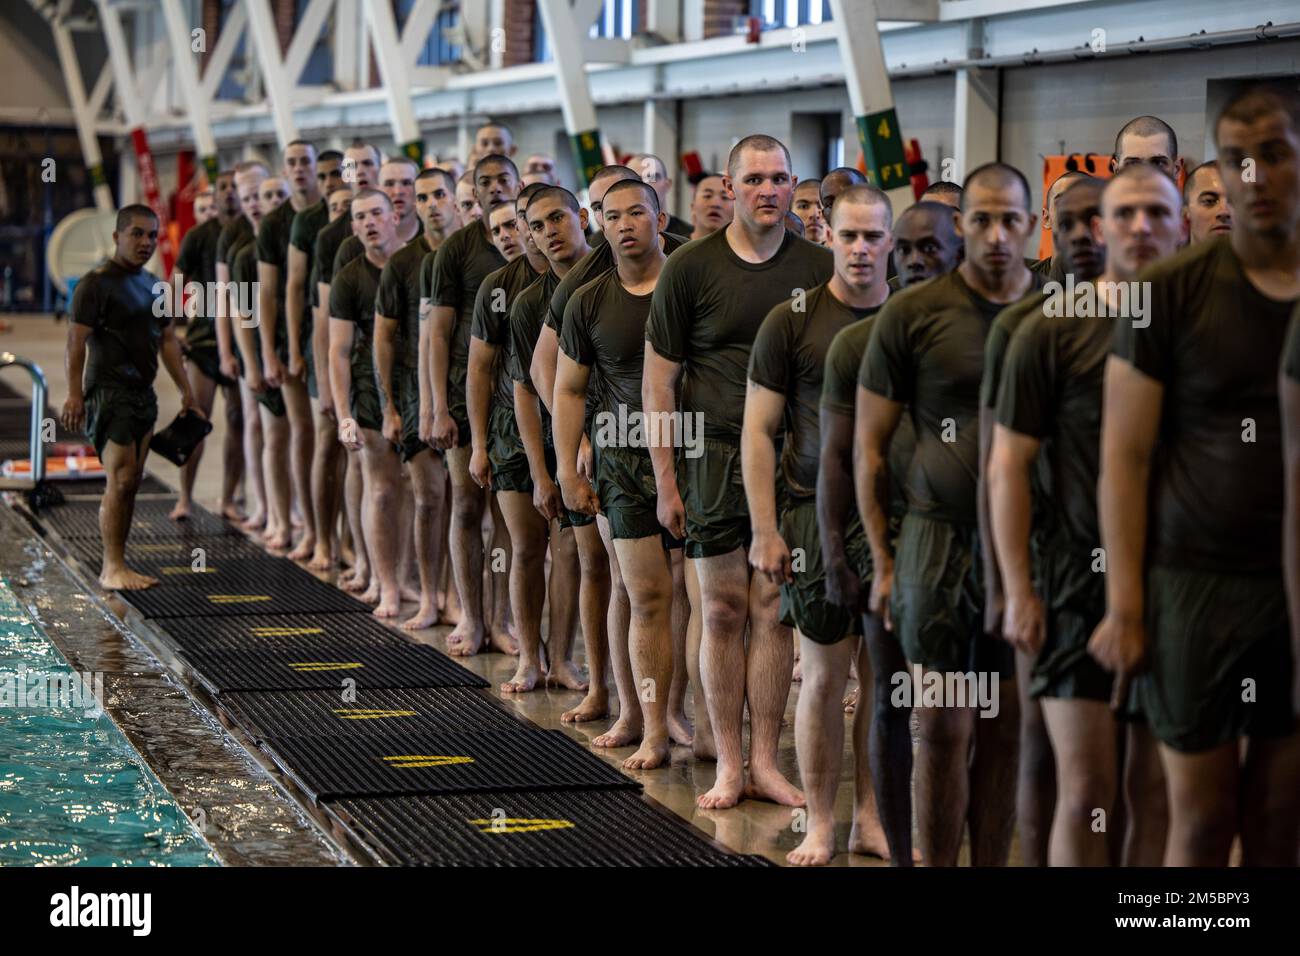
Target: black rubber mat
{"points": [[558, 828], [262, 585], [149, 485], [150, 556], [398, 764], [324, 713], [326, 668], [80, 519], [326, 633]]}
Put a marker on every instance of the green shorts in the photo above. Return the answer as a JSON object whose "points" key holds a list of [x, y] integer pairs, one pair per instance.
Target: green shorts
{"points": [[506, 452], [803, 601], [457, 378], [625, 484], [1074, 598], [717, 513], [367, 409], [123, 416], [406, 390], [938, 600], [1219, 658], [271, 399], [208, 361], [567, 519]]}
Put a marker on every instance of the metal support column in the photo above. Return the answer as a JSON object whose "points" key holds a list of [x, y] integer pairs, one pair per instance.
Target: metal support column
{"points": [[565, 37], [261, 27], [394, 72], [85, 117], [867, 78], [187, 74], [976, 120], [660, 138]]}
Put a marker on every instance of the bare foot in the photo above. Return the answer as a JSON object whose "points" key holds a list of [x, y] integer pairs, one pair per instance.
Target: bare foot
{"points": [[411, 592], [124, 579], [357, 581], [232, 512], [254, 522], [817, 848], [703, 746], [624, 733], [567, 675], [525, 679], [426, 616], [851, 701], [347, 557], [371, 593], [449, 608], [679, 729], [867, 838], [594, 706], [768, 784], [277, 539], [464, 641], [321, 560], [649, 755], [390, 605], [503, 642], [725, 792], [181, 512], [304, 549]]}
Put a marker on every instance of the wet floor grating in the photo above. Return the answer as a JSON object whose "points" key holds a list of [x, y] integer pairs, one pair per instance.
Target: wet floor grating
{"points": [[556, 828], [263, 585], [397, 764], [80, 519], [176, 552], [367, 712], [267, 632]]}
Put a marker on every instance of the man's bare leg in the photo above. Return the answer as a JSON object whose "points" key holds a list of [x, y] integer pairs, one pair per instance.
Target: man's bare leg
{"points": [[1146, 798], [353, 491], [819, 743], [1036, 779], [448, 603], [593, 605], [500, 634], [302, 436], [205, 393], [630, 724], [993, 765], [528, 538], [123, 468], [327, 454], [408, 578], [724, 602], [275, 447], [1203, 804], [255, 483], [867, 835], [891, 737], [232, 452], [679, 727], [702, 743], [1085, 741], [646, 571], [562, 618], [1270, 802], [467, 503], [429, 485], [767, 688], [382, 472], [943, 780]]}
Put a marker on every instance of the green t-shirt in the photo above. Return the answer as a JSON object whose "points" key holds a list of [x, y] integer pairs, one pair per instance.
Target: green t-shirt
{"points": [[273, 249], [927, 352], [453, 277], [197, 262], [302, 236], [1214, 342], [349, 249], [999, 340], [399, 298], [352, 299], [789, 357], [706, 310], [604, 329], [492, 320], [328, 240], [233, 235], [117, 304]]}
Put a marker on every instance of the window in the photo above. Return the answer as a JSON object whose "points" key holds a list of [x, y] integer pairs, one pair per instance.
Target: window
{"points": [[619, 19], [437, 49], [790, 13]]}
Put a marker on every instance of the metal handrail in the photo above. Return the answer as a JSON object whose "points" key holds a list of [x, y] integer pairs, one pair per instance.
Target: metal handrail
{"points": [[37, 446]]}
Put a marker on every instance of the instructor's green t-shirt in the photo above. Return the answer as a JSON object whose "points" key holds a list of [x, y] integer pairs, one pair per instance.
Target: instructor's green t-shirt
{"points": [[117, 304]]}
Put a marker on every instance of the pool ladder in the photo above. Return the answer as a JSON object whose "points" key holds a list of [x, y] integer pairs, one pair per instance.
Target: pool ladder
{"points": [[34, 484]]}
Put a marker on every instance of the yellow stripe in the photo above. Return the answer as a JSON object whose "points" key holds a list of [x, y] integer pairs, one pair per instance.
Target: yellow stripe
{"points": [[324, 665], [237, 598], [344, 714], [186, 569], [410, 761], [520, 825], [284, 631]]}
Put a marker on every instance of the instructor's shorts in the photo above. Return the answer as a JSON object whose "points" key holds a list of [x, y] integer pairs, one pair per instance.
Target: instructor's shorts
{"points": [[121, 415], [938, 600], [1218, 657], [803, 601], [625, 484], [1074, 599], [717, 513]]}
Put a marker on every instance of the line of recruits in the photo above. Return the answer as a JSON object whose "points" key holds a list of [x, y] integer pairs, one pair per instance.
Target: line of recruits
{"points": [[1037, 503]]}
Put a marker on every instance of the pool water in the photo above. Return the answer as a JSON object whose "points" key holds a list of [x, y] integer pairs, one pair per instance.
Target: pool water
{"points": [[73, 792]]}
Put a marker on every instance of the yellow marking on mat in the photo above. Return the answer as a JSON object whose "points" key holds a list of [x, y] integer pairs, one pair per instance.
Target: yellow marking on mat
{"points": [[154, 548], [186, 569], [520, 825], [325, 665], [414, 761], [344, 713], [237, 598], [284, 631]]}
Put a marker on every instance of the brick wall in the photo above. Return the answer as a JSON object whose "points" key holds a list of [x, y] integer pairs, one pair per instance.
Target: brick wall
{"points": [[720, 16], [518, 23]]}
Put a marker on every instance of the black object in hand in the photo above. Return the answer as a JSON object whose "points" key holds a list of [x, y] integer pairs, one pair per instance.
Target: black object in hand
{"points": [[178, 440]]}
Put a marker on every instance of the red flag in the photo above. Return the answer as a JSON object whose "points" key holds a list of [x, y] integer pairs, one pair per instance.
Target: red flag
{"points": [[153, 197]]}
